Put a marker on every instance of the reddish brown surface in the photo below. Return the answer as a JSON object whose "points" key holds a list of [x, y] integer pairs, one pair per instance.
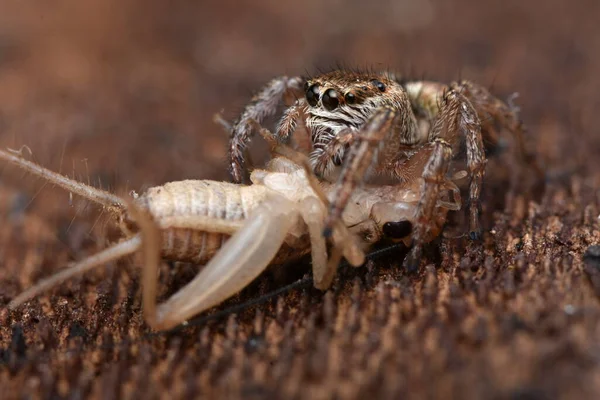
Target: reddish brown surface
{"points": [[131, 86]]}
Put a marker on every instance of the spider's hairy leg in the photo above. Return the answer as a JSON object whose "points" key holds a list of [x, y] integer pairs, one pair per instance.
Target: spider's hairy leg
{"points": [[494, 113], [263, 105], [459, 117], [438, 155], [363, 154], [491, 111]]}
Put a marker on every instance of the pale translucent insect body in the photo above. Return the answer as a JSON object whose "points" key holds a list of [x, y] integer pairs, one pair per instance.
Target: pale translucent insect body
{"points": [[239, 230]]}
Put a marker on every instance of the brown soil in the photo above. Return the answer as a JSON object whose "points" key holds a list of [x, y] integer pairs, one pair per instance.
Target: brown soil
{"points": [[122, 93]]}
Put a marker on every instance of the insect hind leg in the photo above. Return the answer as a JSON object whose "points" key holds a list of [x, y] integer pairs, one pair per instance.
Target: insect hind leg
{"points": [[344, 244], [243, 257]]}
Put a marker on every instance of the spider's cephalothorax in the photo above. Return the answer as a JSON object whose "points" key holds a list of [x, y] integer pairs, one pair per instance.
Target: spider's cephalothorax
{"points": [[368, 122], [338, 104]]}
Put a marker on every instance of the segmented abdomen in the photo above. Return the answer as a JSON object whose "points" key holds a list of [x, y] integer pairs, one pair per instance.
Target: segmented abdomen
{"points": [[221, 200]]}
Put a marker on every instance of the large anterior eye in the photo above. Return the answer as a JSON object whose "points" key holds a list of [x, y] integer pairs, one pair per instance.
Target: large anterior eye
{"points": [[397, 230], [312, 95], [330, 99]]}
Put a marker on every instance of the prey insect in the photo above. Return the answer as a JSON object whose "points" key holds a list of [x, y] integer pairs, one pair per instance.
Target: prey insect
{"points": [[363, 123], [238, 230]]}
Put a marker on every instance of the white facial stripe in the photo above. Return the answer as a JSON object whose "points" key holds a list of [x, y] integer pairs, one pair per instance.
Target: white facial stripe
{"points": [[324, 125]]}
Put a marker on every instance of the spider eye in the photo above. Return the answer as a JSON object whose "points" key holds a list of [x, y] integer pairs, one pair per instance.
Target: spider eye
{"points": [[330, 99], [350, 98], [312, 95], [379, 85], [397, 230]]}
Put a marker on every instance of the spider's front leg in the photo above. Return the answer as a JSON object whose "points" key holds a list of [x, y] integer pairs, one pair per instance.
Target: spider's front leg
{"points": [[262, 106], [366, 146], [438, 156]]}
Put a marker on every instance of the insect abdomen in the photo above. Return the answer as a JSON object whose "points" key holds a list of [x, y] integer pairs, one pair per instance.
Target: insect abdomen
{"points": [[193, 198]]}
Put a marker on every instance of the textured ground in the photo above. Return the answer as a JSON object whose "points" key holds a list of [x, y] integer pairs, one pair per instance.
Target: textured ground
{"points": [[121, 93]]}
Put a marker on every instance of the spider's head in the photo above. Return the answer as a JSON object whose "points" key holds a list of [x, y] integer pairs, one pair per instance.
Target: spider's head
{"points": [[342, 101], [350, 96]]}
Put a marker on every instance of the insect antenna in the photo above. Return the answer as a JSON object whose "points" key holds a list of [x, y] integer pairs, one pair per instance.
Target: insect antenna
{"points": [[111, 202]]}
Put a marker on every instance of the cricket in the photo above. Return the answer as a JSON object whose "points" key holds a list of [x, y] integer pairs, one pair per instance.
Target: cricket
{"points": [[235, 231]]}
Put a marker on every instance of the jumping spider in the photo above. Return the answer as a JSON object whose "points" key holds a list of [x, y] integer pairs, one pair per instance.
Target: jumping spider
{"points": [[366, 122]]}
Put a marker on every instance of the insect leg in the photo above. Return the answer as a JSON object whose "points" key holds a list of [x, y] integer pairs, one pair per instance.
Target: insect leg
{"points": [[344, 244], [313, 214], [243, 257], [114, 252], [262, 106]]}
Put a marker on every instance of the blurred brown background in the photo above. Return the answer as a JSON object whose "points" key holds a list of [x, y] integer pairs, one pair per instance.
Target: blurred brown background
{"points": [[122, 93]]}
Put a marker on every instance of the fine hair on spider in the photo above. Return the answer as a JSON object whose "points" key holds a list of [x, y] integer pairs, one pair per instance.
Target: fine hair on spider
{"points": [[237, 230]]}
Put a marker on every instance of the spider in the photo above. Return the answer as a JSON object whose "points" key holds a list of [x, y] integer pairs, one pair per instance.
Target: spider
{"points": [[364, 123]]}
